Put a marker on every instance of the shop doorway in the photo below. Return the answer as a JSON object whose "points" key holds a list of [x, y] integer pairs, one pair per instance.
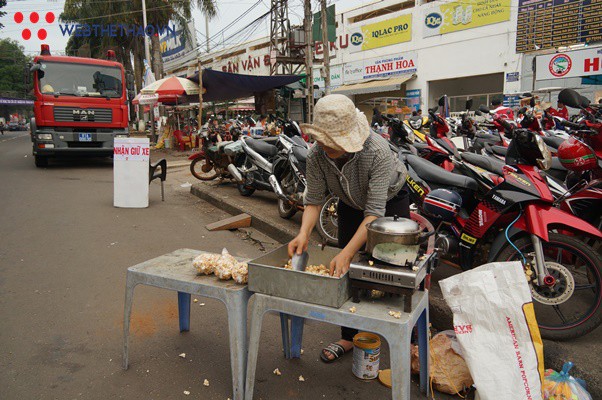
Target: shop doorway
{"points": [[481, 89]]}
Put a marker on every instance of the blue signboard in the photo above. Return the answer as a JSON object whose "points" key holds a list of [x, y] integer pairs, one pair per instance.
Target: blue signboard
{"points": [[413, 98]]}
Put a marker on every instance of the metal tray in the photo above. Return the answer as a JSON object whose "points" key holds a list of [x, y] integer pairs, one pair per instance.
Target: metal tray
{"points": [[267, 276]]}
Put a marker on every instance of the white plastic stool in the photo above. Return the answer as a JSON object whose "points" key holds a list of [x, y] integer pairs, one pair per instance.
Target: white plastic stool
{"points": [[371, 316], [174, 271]]}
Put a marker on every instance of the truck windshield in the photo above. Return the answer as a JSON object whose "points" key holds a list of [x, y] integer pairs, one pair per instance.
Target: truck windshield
{"points": [[79, 80]]}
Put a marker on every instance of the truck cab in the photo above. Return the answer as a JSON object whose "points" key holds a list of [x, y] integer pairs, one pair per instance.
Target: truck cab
{"points": [[81, 105]]}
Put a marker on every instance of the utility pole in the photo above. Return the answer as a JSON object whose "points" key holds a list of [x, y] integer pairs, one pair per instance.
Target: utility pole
{"points": [[207, 31], [148, 58], [326, 46], [200, 116], [309, 55]]}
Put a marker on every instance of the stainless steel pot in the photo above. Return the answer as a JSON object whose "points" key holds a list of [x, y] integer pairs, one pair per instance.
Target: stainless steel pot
{"points": [[394, 240]]}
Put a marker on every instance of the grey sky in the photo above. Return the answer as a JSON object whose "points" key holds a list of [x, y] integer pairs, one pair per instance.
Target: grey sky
{"points": [[229, 10]]}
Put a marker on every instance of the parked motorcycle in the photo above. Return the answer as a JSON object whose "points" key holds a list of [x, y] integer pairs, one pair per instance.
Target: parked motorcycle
{"points": [[517, 220], [216, 153]]}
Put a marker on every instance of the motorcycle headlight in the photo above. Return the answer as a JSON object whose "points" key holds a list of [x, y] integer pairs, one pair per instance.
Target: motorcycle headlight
{"points": [[545, 162]]}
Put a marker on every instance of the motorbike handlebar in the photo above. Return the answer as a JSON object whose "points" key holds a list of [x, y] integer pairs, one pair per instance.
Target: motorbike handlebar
{"points": [[505, 124], [571, 125]]}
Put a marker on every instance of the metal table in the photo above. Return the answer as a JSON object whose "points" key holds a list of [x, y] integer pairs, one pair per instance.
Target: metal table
{"points": [[174, 271], [371, 316]]}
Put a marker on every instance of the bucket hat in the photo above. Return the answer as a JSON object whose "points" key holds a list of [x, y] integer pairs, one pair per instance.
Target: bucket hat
{"points": [[338, 124]]}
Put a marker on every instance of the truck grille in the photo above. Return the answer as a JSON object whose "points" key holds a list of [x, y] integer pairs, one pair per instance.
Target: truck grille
{"points": [[75, 114]]}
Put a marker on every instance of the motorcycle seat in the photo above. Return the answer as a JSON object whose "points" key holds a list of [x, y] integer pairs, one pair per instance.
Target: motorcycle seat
{"points": [[263, 148], [435, 174], [552, 141], [420, 146], [490, 164], [500, 150], [300, 153], [487, 136]]}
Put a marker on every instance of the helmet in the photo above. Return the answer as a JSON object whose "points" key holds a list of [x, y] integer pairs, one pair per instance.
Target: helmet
{"points": [[442, 203], [576, 155]]}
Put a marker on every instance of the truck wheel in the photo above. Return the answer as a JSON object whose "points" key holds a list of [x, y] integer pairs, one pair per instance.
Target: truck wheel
{"points": [[41, 162]]}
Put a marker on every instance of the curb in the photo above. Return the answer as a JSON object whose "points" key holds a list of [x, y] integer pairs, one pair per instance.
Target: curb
{"points": [[273, 230], [441, 318]]}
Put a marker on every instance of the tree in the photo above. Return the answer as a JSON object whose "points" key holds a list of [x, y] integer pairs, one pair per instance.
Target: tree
{"points": [[2, 13], [12, 63]]}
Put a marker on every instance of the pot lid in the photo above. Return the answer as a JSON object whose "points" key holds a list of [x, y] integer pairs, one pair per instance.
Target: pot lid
{"points": [[394, 225]]}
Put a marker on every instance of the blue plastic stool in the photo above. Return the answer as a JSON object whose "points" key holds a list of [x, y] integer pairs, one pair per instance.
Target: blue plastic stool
{"points": [[291, 343]]}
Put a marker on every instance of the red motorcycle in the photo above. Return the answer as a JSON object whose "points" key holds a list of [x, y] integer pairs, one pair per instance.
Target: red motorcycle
{"points": [[213, 159], [517, 221], [439, 149]]}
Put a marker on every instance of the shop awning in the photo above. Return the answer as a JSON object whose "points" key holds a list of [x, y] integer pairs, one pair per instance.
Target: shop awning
{"points": [[222, 86], [374, 86]]}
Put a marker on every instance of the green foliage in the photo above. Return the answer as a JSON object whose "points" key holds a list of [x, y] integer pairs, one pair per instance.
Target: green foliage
{"points": [[12, 64], [2, 13]]}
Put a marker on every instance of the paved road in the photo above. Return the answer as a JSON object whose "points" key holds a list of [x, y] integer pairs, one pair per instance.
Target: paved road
{"points": [[64, 253]]}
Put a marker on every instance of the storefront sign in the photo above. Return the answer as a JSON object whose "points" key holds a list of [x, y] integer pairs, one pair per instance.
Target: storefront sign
{"points": [[342, 42], [460, 15], [381, 67], [336, 77], [249, 65], [511, 101], [577, 63], [380, 34], [413, 98], [131, 149], [174, 44]]}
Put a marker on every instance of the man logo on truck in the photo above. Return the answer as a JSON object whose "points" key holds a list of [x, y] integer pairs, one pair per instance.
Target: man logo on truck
{"points": [[83, 115]]}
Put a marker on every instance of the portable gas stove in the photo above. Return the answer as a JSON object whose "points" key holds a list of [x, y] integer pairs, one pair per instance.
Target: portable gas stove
{"points": [[390, 278]]}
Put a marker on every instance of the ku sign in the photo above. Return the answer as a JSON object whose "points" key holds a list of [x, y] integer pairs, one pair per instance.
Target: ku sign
{"points": [[570, 64]]}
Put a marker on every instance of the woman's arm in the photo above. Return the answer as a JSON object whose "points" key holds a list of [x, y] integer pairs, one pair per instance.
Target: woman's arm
{"points": [[310, 218], [340, 264]]}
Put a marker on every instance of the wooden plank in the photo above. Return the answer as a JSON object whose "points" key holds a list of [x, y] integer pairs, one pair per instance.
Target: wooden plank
{"points": [[235, 222]]}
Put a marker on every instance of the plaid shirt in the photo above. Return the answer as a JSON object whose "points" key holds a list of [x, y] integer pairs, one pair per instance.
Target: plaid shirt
{"points": [[366, 182]]}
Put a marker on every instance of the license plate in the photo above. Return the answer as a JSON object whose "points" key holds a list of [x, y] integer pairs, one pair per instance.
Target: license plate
{"points": [[85, 137]]}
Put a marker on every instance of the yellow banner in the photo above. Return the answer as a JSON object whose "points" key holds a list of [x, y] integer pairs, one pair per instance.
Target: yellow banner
{"points": [[380, 34], [465, 14]]}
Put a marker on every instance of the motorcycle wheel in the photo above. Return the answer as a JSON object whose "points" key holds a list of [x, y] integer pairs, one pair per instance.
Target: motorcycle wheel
{"points": [[245, 190], [286, 210], [202, 169], [574, 301], [328, 225]]}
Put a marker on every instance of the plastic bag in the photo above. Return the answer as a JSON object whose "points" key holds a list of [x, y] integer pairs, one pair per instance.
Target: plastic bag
{"points": [[449, 371], [495, 324], [220, 265], [562, 386]]}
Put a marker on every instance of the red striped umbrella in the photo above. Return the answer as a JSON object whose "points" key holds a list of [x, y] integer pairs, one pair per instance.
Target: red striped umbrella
{"points": [[172, 86]]}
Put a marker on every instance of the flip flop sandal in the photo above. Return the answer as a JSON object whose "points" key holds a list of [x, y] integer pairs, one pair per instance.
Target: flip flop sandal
{"points": [[335, 349]]}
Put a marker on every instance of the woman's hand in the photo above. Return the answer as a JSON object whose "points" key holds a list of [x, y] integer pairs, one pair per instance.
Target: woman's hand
{"points": [[340, 264], [298, 245]]}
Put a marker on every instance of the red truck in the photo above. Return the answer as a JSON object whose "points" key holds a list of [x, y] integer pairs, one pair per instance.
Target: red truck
{"points": [[81, 105]]}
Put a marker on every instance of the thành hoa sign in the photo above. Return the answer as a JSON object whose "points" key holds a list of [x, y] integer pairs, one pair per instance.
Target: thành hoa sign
{"points": [[381, 67]]}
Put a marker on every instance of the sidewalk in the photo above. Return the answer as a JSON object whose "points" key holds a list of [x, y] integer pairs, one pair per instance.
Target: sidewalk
{"points": [[262, 206]]}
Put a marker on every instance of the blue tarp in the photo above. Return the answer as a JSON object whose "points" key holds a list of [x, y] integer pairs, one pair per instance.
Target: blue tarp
{"points": [[224, 86]]}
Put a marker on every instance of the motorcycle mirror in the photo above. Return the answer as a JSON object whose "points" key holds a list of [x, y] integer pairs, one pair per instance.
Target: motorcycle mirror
{"points": [[441, 101], [584, 102], [484, 109], [469, 104], [570, 97], [433, 110]]}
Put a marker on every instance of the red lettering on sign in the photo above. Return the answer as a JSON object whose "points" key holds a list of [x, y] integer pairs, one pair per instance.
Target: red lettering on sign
{"points": [[592, 64]]}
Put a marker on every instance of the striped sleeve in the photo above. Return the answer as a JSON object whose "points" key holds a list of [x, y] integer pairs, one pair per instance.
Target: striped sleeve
{"points": [[316, 189]]}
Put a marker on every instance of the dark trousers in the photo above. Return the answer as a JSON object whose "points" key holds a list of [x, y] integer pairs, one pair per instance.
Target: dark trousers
{"points": [[349, 220]]}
